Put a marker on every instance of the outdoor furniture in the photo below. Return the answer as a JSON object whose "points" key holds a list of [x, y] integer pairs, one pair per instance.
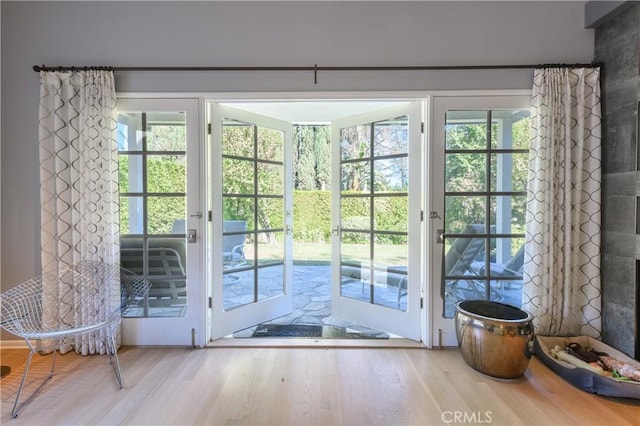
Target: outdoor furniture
{"points": [[458, 270], [165, 259], [512, 269], [233, 247], [77, 306], [505, 276], [392, 276], [233, 243]]}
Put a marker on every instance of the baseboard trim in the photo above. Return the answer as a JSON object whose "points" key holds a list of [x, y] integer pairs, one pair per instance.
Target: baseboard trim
{"points": [[13, 344]]}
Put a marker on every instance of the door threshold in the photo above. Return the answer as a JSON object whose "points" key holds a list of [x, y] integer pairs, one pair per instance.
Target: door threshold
{"points": [[265, 342]]}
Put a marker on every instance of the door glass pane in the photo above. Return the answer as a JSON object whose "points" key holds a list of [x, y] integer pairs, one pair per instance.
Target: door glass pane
{"points": [[356, 176], [391, 214], [237, 176], [130, 131], [270, 247], [166, 131], [162, 212], [390, 258], [270, 213], [270, 179], [238, 209], [462, 211], [391, 137], [465, 172], [506, 270], [130, 173], [237, 139], [169, 172], [355, 213], [238, 288], [391, 251], [131, 215], [270, 144], [391, 174], [389, 287], [166, 265], [355, 142], [507, 214], [511, 129], [132, 255], [466, 130], [509, 172], [270, 282], [234, 246], [355, 247], [355, 282]]}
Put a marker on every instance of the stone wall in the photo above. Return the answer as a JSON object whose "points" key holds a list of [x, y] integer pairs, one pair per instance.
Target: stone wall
{"points": [[617, 47]]}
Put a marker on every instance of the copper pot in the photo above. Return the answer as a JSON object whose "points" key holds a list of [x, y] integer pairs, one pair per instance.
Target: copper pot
{"points": [[494, 338]]}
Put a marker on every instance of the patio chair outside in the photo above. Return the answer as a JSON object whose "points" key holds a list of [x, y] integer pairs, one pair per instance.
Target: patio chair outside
{"points": [[508, 275], [233, 247], [458, 262], [233, 243], [513, 268], [166, 257]]}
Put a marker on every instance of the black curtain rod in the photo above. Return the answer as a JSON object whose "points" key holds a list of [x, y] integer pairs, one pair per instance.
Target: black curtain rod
{"points": [[316, 68], [38, 68]]}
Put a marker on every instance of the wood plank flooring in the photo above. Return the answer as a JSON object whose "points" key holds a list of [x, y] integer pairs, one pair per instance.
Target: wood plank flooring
{"points": [[298, 386]]}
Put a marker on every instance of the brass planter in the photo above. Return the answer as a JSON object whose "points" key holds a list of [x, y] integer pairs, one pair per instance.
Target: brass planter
{"points": [[494, 338]]}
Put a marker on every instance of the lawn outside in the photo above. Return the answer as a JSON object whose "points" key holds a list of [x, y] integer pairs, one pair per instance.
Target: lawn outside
{"points": [[320, 253]]}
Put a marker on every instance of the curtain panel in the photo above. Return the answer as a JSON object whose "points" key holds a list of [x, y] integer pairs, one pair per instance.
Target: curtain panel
{"points": [[561, 285], [78, 178]]}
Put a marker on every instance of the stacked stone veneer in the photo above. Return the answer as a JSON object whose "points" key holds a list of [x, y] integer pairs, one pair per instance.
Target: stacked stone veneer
{"points": [[617, 47]]}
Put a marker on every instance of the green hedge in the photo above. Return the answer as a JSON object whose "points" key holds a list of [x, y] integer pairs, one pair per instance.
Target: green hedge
{"points": [[311, 210], [312, 216]]}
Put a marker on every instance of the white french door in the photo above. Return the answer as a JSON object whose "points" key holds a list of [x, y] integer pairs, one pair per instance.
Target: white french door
{"points": [[376, 168], [251, 220], [479, 164], [161, 219]]}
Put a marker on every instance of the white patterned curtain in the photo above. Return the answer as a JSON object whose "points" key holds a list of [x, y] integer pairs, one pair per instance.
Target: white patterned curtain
{"points": [[562, 247], [78, 177]]}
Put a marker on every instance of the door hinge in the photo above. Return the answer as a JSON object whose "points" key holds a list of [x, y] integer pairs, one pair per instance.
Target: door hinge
{"points": [[421, 302], [210, 303], [210, 215], [422, 127], [421, 215], [209, 128]]}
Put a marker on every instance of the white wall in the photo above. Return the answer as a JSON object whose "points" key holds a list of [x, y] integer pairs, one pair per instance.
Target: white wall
{"points": [[260, 34]]}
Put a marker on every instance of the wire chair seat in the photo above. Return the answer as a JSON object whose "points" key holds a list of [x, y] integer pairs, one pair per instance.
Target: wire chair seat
{"points": [[75, 306]]}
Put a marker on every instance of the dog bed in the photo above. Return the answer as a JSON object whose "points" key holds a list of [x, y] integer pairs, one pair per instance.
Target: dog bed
{"points": [[584, 378]]}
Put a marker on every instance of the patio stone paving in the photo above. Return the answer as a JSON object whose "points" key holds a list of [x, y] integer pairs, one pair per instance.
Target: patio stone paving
{"points": [[312, 300]]}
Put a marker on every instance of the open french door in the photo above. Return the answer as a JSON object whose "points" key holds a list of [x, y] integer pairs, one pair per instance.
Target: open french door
{"points": [[251, 219], [161, 218], [376, 167]]}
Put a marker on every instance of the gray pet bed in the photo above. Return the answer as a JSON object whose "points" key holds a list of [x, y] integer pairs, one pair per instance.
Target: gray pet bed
{"points": [[581, 377]]}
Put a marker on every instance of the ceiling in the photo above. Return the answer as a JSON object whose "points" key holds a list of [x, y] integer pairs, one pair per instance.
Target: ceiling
{"points": [[317, 112]]}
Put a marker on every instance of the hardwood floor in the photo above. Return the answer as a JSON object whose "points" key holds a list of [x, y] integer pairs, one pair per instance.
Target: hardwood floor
{"points": [[296, 386]]}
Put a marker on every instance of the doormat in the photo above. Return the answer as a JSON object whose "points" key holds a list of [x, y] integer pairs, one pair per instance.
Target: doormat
{"points": [[310, 331], [292, 330]]}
